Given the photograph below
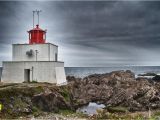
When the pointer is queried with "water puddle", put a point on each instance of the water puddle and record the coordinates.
(91, 108)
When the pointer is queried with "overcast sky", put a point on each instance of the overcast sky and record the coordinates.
(88, 33)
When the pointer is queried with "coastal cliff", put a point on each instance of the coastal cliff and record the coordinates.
(116, 89)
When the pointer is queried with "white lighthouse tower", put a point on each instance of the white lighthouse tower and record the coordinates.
(35, 61)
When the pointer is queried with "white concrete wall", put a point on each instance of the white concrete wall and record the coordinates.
(46, 52)
(52, 72)
(53, 51)
(60, 77)
(12, 73)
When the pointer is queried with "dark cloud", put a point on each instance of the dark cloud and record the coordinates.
(89, 33)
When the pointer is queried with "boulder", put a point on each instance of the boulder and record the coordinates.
(50, 102)
(156, 78)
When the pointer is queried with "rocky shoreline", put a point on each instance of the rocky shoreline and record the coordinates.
(120, 91)
(118, 88)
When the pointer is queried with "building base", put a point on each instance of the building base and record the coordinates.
(28, 71)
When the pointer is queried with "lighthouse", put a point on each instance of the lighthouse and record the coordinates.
(35, 61)
(37, 35)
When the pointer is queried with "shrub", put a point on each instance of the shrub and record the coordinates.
(33, 81)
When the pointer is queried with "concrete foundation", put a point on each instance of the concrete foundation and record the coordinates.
(28, 71)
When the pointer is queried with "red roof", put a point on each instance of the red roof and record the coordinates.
(37, 28)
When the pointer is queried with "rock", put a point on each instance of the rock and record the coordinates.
(156, 78)
(72, 79)
(11, 106)
(27, 110)
(118, 88)
(147, 74)
(122, 75)
(25, 99)
(12, 98)
(50, 102)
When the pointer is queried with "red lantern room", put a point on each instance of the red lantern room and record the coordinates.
(37, 35)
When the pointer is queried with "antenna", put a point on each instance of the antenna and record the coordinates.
(33, 18)
(36, 11)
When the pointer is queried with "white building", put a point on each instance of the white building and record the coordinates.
(36, 61)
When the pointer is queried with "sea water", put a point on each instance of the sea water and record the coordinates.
(85, 71)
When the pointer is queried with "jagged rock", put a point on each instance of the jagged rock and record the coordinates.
(122, 75)
(50, 102)
(156, 78)
(24, 99)
(118, 88)
(148, 74)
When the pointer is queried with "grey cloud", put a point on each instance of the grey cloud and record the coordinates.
(89, 33)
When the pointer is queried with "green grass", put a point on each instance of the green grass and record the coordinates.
(117, 109)
(66, 112)
(33, 81)
(36, 112)
(65, 93)
(71, 113)
(19, 95)
(155, 115)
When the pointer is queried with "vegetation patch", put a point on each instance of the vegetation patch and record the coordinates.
(65, 93)
(66, 112)
(71, 113)
(33, 81)
(117, 109)
(36, 112)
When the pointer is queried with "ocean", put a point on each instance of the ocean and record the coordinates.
(85, 71)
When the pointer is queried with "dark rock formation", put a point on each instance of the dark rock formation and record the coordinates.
(50, 102)
(24, 99)
(156, 78)
(118, 88)
(148, 74)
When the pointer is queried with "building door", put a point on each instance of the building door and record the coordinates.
(27, 75)
(56, 57)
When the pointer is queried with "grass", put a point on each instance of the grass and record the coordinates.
(155, 115)
(66, 112)
(117, 109)
(128, 116)
(33, 81)
(36, 112)
(119, 116)
(71, 113)
(17, 97)
(26, 91)
(65, 93)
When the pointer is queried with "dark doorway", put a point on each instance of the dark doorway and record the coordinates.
(56, 57)
(27, 75)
